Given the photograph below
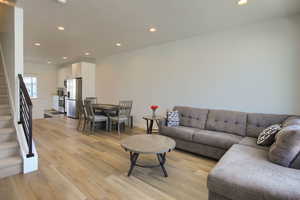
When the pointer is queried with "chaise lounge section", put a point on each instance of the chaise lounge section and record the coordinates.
(243, 171)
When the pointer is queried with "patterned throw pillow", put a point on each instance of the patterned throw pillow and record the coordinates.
(172, 118)
(267, 137)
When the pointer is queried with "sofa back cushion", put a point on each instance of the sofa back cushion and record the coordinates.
(292, 120)
(227, 121)
(192, 117)
(256, 123)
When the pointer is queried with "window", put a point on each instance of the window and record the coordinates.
(31, 85)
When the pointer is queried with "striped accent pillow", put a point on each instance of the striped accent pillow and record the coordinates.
(267, 137)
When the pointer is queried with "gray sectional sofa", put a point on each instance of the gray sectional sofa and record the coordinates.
(243, 171)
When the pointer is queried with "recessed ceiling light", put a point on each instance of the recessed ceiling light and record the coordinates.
(49, 62)
(87, 53)
(62, 1)
(118, 44)
(242, 2)
(152, 30)
(7, 2)
(61, 28)
(37, 44)
(64, 57)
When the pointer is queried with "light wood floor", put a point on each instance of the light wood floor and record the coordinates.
(75, 166)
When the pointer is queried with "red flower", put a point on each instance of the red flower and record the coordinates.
(154, 107)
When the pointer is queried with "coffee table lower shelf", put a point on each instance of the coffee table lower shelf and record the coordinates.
(161, 157)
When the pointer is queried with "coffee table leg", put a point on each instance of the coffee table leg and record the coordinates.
(133, 159)
(162, 160)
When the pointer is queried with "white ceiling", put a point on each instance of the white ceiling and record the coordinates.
(96, 25)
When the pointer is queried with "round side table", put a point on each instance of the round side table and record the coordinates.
(150, 120)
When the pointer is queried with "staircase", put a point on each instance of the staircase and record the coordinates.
(10, 159)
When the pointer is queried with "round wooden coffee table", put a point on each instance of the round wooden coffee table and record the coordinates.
(148, 144)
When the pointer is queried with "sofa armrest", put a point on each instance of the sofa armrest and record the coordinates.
(162, 123)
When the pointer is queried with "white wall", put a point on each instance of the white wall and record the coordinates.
(88, 79)
(46, 81)
(253, 68)
(11, 42)
(7, 40)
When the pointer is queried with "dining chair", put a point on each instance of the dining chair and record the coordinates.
(93, 118)
(93, 100)
(123, 115)
(82, 117)
(128, 105)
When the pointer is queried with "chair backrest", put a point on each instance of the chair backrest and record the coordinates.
(89, 108)
(125, 108)
(80, 108)
(84, 111)
(93, 100)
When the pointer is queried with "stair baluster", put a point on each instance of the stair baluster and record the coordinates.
(26, 114)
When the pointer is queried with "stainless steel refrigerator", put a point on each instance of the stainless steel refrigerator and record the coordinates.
(74, 90)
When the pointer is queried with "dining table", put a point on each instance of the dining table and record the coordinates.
(108, 109)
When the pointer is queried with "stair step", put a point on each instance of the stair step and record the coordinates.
(8, 149)
(3, 100)
(3, 92)
(5, 121)
(4, 106)
(5, 117)
(2, 79)
(7, 134)
(8, 145)
(7, 162)
(10, 166)
(6, 131)
(5, 111)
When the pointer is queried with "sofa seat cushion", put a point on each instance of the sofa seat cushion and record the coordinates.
(245, 173)
(251, 142)
(216, 139)
(227, 121)
(179, 132)
(192, 117)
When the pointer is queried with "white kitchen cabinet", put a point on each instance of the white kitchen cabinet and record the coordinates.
(76, 70)
(63, 74)
(55, 104)
(85, 70)
(88, 71)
